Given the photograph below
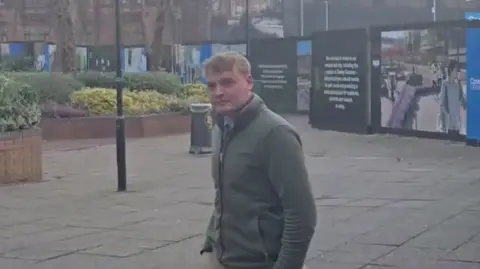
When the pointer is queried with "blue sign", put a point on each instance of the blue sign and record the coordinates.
(473, 79)
(304, 48)
(472, 16)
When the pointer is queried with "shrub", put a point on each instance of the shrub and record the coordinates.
(93, 79)
(16, 63)
(54, 87)
(19, 106)
(197, 93)
(101, 101)
(157, 81)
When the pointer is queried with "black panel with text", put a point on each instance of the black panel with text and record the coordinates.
(274, 69)
(339, 73)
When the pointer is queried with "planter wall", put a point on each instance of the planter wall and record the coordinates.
(104, 127)
(21, 157)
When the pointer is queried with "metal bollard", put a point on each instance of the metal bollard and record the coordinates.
(201, 129)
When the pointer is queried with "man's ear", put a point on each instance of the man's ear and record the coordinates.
(250, 81)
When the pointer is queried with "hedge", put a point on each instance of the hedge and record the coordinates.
(19, 105)
(55, 87)
(62, 95)
(156, 81)
(102, 101)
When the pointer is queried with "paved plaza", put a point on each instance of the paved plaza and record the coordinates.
(383, 202)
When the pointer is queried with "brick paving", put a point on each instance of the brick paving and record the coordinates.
(383, 202)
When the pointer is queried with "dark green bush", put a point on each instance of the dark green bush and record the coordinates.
(19, 105)
(93, 79)
(16, 64)
(157, 81)
(54, 87)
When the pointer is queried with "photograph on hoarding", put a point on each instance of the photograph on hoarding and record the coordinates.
(304, 70)
(423, 83)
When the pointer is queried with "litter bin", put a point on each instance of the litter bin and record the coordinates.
(201, 129)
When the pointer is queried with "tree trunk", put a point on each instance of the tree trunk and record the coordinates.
(82, 7)
(153, 20)
(64, 60)
(97, 13)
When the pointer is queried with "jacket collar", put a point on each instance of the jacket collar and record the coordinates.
(246, 116)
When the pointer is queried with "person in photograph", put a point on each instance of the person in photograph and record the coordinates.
(451, 100)
(437, 74)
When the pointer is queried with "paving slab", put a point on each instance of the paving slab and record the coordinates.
(411, 257)
(441, 237)
(356, 253)
(16, 264)
(469, 252)
(382, 202)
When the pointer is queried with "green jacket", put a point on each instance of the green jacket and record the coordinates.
(265, 213)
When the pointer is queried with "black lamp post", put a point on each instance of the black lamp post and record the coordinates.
(120, 121)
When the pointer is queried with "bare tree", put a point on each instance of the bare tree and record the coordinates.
(153, 19)
(16, 25)
(82, 15)
(97, 12)
(64, 15)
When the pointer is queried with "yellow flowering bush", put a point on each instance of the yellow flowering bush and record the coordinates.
(194, 93)
(101, 101)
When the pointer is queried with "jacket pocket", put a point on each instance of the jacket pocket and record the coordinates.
(270, 227)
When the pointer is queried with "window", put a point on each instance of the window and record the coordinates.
(131, 2)
(107, 3)
(408, 3)
(35, 34)
(129, 57)
(35, 3)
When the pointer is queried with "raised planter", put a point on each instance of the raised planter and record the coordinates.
(21, 156)
(104, 127)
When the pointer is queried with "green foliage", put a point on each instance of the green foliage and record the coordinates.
(197, 92)
(93, 79)
(19, 106)
(54, 87)
(157, 81)
(102, 101)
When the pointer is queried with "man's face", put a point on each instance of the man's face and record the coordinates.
(229, 90)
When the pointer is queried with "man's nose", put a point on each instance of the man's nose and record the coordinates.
(217, 91)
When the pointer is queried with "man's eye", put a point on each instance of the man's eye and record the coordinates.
(226, 82)
(211, 85)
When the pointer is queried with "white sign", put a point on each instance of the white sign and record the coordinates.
(475, 84)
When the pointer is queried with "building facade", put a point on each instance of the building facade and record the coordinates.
(94, 21)
(195, 21)
(344, 14)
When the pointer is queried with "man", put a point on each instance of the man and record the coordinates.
(264, 215)
(452, 101)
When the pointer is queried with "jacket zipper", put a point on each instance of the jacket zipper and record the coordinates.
(223, 147)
